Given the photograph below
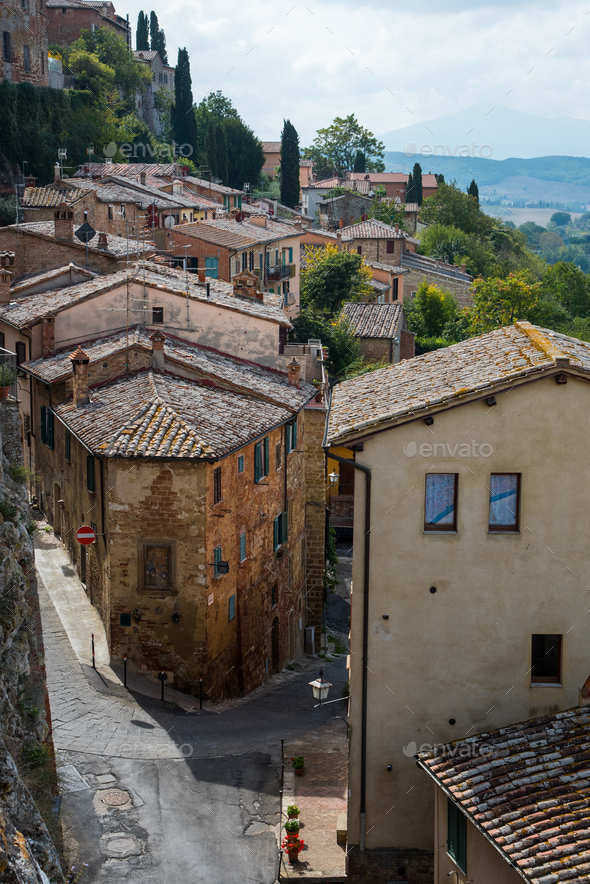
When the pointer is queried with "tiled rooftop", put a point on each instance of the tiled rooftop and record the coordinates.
(155, 414)
(374, 320)
(116, 245)
(391, 268)
(413, 261)
(49, 197)
(222, 369)
(46, 276)
(131, 170)
(234, 235)
(271, 146)
(211, 185)
(529, 793)
(373, 230)
(117, 188)
(449, 375)
(34, 307)
(390, 178)
(146, 54)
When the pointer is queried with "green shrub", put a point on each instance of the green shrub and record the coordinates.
(8, 511)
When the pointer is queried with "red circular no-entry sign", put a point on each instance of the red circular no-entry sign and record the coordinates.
(85, 535)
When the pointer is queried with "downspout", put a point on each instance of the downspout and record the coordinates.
(365, 654)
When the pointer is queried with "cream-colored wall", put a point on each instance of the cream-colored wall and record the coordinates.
(484, 864)
(202, 322)
(464, 652)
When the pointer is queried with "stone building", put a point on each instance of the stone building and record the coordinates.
(381, 331)
(146, 103)
(394, 183)
(66, 19)
(192, 466)
(469, 602)
(24, 42)
(343, 210)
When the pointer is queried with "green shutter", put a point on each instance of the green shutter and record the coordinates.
(266, 458)
(231, 608)
(43, 425)
(283, 528)
(257, 462)
(294, 434)
(290, 256)
(242, 547)
(456, 835)
(275, 534)
(217, 559)
(287, 438)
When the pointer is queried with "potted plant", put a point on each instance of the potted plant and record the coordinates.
(293, 812)
(298, 765)
(292, 828)
(293, 846)
(7, 378)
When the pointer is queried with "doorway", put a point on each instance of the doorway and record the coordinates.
(275, 654)
(56, 510)
(83, 564)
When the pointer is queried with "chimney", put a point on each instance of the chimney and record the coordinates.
(56, 175)
(157, 338)
(30, 181)
(80, 361)
(201, 272)
(294, 369)
(258, 220)
(102, 241)
(64, 222)
(463, 268)
(5, 281)
(48, 336)
(396, 228)
(339, 241)
(142, 177)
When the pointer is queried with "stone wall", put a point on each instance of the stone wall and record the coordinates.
(26, 847)
(407, 344)
(26, 23)
(389, 866)
(35, 254)
(315, 518)
(462, 290)
(377, 349)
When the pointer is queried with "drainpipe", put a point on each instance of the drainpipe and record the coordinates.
(365, 656)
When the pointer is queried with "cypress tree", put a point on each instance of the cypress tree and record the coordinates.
(410, 190)
(157, 37)
(222, 162)
(289, 165)
(183, 115)
(141, 35)
(473, 189)
(360, 164)
(418, 183)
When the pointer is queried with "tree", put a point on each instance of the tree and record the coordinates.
(335, 334)
(568, 286)
(417, 176)
(430, 311)
(142, 35)
(473, 189)
(360, 163)
(245, 156)
(211, 148)
(289, 165)
(222, 157)
(244, 152)
(331, 277)
(453, 208)
(335, 148)
(532, 231)
(440, 178)
(183, 117)
(90, 73)
(388, 211)
(561, 218)
(499, 302)
(157, 38)
(112, 50)
(410, 196)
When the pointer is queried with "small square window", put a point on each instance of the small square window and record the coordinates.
(546, 659)
(390, 246)
(504, 502)
(241, 463)
(231, 607)
(440, 508)
(157, 315)
(124, 619)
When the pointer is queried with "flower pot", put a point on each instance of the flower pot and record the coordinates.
(299, 771)
(4, 392)
(293, 856)
(293, 816)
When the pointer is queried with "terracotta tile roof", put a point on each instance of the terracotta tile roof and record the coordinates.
(234, 235)
(271, 146)
(390, 178)
(33, 308)
(156, 414)
(145, 54)
(326, 182)
(117, 188)
(131, 170)
(391, 268)
(224, 370)
(116, 245)
(424, 264)
(49, 197)
(36, 278)
(450, 375)
(210, 185)
(374, 320)
(528, 793)
(373, 230)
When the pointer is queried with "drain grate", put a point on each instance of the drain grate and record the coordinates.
(121, 846)
(116, 798)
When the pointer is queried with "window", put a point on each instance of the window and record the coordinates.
(280, 530)
(160, 77)
(276, 257)
(217, 485)
(390, 246)
(111, 212)
(286, 288)
(26, 58)
(290, 256)
(274, 595)
(231, 607)
(165, 79)
(68, 446)
(47, 426)
(2, 340)
(291, 437)
(21, 354)
(157, 315)
(122, 210)
(359, 250)
(217, 560)
(261, 460)
(546, 659)
(244, 260)
(278, 456)
(241, 463)
(90, 483)
(211, 265)
(157, 565)
(124, 619)
(394, 294)
(251, 260)
(6, 46)
(440, 509)
(504, 502)
(457, 835)
(242, 547)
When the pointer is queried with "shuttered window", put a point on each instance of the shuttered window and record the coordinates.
(90, 482)
(47, 426)
(68, 446)
(231, 607)
(261, 460)
(291, 433)
(457, 835)
(280, 530)
(242, 547)
(217, 485)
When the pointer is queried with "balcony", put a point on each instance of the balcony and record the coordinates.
(280, 271)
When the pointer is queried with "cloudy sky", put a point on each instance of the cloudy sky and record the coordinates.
(390, 63)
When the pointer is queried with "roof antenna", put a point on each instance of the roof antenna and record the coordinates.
(208, 287)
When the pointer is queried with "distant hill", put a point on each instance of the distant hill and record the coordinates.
(499, 132)
(564, 169)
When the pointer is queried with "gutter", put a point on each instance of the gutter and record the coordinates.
(365, 626)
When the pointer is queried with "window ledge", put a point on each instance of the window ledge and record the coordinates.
(514, 533)
(546, 684)
(452, 533)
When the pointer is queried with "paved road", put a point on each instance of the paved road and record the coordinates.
(200, 789)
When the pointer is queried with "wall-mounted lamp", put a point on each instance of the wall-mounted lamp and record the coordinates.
(176, 617)
(333, 477)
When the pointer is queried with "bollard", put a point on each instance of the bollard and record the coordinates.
(125, 670)
(200, 692)
(93, 659)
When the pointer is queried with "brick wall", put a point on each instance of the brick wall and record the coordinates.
(181, 244)
(315, 518)
(389, 866)
(377, 349)
(65, 25)
(27, 26)
(407, 344)
(34, 254)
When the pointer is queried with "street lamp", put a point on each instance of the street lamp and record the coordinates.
(320, 687)
(333, 477)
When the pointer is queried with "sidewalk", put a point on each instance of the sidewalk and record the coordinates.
(321, 796)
